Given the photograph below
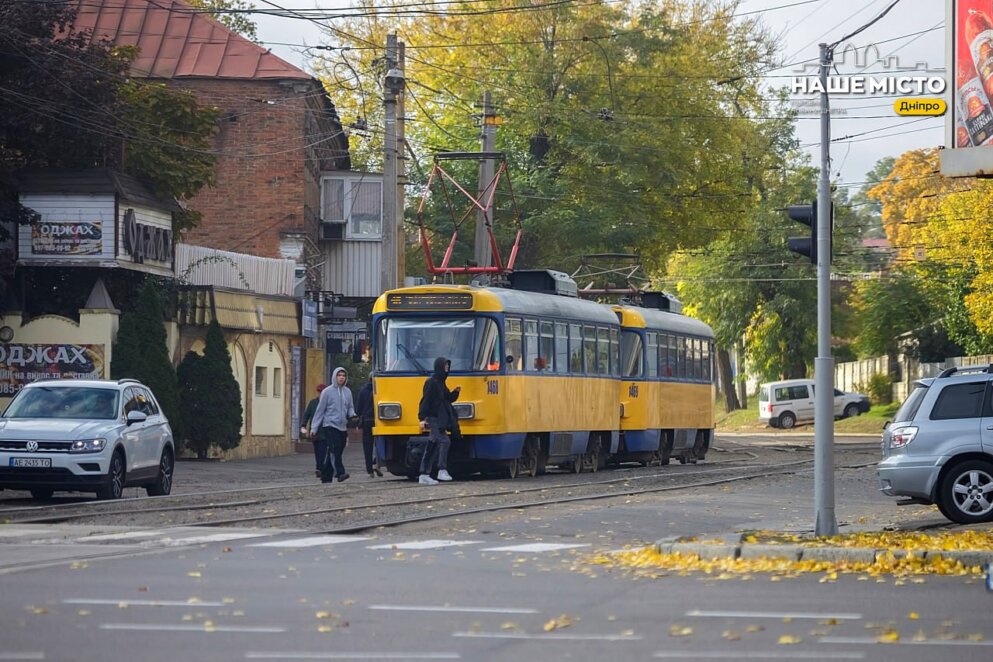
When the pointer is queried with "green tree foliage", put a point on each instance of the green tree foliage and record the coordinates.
(210, 397)
(748, 285)
(141, 352)
(887, 308)
(235, 14)
(69, 102)
(627, 126)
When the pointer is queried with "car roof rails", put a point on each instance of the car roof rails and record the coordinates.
(948, 372)
(128, 380)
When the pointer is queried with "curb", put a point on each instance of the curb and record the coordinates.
(709, 552)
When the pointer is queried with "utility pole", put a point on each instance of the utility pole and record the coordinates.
(401, 165)
(825, 522)
(391, 83)
(482, 253)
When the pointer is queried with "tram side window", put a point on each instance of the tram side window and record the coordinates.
(589, 349)
(652, 354)
(681, 357)
(547, 347)
(513, 344)
(561, 348)
(615, 352)
(575, 349)
(631, 354)
(531, 359)
(707, 371)
(693, 348)
(602, 351)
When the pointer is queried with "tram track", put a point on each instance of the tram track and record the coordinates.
(357, 517)
(55, 513)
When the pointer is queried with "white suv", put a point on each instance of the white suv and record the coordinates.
(86, 436)
(784, 404)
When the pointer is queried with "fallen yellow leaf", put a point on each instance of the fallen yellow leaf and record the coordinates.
(788, 640)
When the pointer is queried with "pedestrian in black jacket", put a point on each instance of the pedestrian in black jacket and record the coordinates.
(437, 415)
(366, 412)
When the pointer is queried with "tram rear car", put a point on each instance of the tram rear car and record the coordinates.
(666, 386)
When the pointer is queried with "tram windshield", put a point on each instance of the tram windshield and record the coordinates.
(411, 344)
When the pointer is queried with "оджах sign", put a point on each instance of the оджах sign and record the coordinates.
(67, 238)
(22, 364)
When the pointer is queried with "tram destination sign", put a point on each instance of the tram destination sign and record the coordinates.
(430, 301)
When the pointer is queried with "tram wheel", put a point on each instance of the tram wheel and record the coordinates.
(577, 464)
(511, 468)
(591, 459)
(530, 458)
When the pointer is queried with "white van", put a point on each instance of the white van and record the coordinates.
(784, 404)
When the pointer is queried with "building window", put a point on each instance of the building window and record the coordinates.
(260, 380)
(277, 382)
(356, 202)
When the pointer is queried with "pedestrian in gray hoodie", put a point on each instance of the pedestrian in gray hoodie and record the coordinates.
(334, 409)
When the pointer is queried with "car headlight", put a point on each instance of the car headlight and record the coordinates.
(389, 411)
(465, 410)
(88, 446)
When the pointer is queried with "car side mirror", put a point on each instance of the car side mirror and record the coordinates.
(136, 416)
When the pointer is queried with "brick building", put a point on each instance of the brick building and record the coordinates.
(279, 129)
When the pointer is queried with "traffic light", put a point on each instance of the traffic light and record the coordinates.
(806, 214)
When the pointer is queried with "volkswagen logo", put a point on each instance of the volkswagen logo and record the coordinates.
(32, 446)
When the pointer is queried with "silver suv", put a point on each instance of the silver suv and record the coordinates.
(86, 436)
(939, 447)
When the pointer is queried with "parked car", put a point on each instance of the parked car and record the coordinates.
(938, 449)
(786, 403)
(86, 436)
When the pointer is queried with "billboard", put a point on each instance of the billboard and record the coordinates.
(22, 364)
(969, 54)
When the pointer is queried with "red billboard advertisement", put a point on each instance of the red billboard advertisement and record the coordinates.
(972, 50)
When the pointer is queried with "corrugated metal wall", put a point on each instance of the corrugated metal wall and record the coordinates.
(353, 268)
(198, 265)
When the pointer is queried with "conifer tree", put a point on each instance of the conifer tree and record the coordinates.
(211, 398)
(141, 352)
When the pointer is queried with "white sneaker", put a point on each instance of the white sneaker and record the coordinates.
(425, 479)
(443, 475)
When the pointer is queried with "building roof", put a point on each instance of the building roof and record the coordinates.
(92, 182)
(176, 40)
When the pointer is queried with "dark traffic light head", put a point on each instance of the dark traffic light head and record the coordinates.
(806, 214)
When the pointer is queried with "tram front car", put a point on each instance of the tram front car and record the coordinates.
(411, 328)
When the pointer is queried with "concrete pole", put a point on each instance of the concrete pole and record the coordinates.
(390, 240)
(401, 155)
(482, 254)
(825, 522)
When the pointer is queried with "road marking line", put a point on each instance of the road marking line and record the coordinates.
(534, 547)
(121, 536)
(929, 642)
(427, 544)
(165, 627)
(216, 537)
(760, 655)
(446, 608)
(124, 602)
(550, 636)
(772, 614)
(7, 531)
(257, 655)
(313, 541)
(33, 655)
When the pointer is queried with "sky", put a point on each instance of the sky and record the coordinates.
(864, 129)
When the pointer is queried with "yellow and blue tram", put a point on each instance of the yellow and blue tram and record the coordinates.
(546, 379)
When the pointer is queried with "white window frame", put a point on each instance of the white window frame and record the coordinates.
(349, 182)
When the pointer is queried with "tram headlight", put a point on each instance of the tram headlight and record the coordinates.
(389, 411)
(465, 410)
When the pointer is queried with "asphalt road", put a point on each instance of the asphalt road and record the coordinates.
(514, 585)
